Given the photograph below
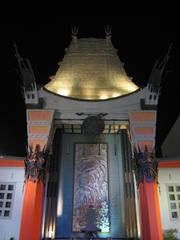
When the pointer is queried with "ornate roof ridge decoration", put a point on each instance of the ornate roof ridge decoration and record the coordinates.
(36, 163)
(29, 86)
(154, 85)
(146, 166)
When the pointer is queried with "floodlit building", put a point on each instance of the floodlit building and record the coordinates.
(91, 135)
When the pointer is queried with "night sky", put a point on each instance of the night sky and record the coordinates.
(140, 41)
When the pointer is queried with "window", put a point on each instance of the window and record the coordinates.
(174, 201)
(7, 191)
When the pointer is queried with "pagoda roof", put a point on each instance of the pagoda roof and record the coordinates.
(91, 70)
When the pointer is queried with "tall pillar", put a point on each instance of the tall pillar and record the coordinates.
(143, 126)
(39, 129)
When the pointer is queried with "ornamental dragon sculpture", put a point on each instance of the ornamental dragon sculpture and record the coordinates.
(35, 163)
(146, 166)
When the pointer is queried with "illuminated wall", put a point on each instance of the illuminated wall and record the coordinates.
(66, 149)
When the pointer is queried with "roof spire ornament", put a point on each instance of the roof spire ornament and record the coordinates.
(75, 32)
(107, 29)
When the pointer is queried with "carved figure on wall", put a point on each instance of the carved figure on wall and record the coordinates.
(91, 229)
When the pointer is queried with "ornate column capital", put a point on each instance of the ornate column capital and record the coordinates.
(36, 163)
(146, 166)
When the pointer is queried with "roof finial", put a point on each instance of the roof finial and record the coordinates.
(158, 72)
(162, 64)
(75, 32)
(107, 29)
(26, 74)
(156, 77)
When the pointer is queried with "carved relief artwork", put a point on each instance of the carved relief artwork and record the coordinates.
(90, 185)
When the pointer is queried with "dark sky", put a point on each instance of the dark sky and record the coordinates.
(139, 40)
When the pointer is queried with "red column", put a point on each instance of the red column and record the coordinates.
(143, 213)
(39, 128)
(151, 226)
(32, 211)
(143, 128)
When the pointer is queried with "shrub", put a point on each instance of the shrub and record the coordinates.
(170, 234)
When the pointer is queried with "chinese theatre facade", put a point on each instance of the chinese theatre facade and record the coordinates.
(91, 136)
